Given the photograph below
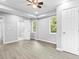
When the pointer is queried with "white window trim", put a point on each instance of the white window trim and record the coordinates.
(50, 27)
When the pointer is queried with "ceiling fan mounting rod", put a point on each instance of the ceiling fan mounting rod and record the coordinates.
(35, 2)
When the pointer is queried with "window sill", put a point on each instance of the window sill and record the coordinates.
(52, 33)
(33, 32)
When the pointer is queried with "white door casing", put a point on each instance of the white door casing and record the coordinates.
(1, 32)
(2, 29)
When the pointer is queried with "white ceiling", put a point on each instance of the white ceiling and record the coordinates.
(21, 5)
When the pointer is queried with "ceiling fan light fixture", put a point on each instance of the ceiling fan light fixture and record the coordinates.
(34, 6)
(35, 3)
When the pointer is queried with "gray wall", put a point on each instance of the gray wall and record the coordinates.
(43, 31)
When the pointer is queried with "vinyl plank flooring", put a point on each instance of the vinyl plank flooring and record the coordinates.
(32, 49)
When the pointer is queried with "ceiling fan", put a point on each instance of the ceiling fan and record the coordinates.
(35, 3)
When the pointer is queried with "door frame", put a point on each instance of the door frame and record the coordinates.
(2, 18)
(76, 53)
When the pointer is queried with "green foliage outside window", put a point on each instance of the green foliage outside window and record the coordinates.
(53, 24)
(34, 25)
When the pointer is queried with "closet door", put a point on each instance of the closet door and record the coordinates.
(70, 30)
(23, 30)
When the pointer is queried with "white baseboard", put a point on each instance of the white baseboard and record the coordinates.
(72, 52)
(23, 39)
(59, 49)
(19, 39)
(47, 41)
(10, 42)
(34, 38)
(76, 53)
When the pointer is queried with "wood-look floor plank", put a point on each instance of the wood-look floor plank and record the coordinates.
(33, 50)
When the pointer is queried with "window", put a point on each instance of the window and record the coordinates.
(34, 26)
(53, 23)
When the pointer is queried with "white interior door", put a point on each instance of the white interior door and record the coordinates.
(24, 29)
(70, 30)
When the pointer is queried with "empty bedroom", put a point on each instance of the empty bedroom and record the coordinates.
(39, 29)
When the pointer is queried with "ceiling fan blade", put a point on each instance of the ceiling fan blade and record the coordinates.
(39, 6)
(40, 3)
(29, 1)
